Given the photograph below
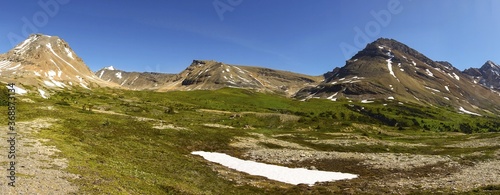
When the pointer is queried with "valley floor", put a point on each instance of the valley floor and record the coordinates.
(141, 143)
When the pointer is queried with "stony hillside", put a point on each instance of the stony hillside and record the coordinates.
(210, 75)
(48, 63)
(391, 71)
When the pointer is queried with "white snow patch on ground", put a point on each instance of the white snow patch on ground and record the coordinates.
(390, 98)
(42, 93)
(110, 68)
(79, 78)
(429, 72)
(18, 90)
(447, 88)
(456, 76)
(134, 80)
(84, 86)
(37, 74)
(293, 176)
(447, 98)
(332, 97)
(366, 101)
(48, 83)
(119, 75)
(57, 83)
(414, 63)
(102, 73)
(14, 68)
(70, 54)
(432, 89)
(389, 66)
(55, 64)
(51, 73)
(468, 112)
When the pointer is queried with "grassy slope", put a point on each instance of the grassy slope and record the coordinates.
(117, 154)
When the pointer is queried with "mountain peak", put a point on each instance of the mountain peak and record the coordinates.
(47, 62)
(490, 64)
(109, 68)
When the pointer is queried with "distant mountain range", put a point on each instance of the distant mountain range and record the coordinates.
(386, 70)
(209, 75)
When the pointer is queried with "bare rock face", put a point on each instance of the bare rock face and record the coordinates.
(389, 70)
(48, 63)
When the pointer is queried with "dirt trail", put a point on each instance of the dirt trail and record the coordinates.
(37, 171)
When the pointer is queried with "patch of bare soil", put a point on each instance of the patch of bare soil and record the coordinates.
(37, 170)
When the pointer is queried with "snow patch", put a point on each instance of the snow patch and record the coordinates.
(390, 98)
(84, 86)
(432, 89)
(110, 68)
(429, 72)
(366, 101)
(42, 93)
(37, 74)
(447, 98)
(70, 54)
(447, 88)
(14, 68)
(102, 73)
(49, 84)
(468, 112)
(119, 75)
(389, 66)
(456, 77)
(292, 176)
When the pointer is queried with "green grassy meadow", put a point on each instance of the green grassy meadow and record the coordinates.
(115, 152)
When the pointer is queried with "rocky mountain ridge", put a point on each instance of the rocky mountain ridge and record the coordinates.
(488, 75)
(210, 75)
(388, 70)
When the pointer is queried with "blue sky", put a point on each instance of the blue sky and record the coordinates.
(310, 37)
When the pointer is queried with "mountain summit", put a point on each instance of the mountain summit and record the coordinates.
(488, 75)
(391, 71)
(46, 62)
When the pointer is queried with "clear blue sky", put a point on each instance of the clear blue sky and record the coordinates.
(295, 35)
